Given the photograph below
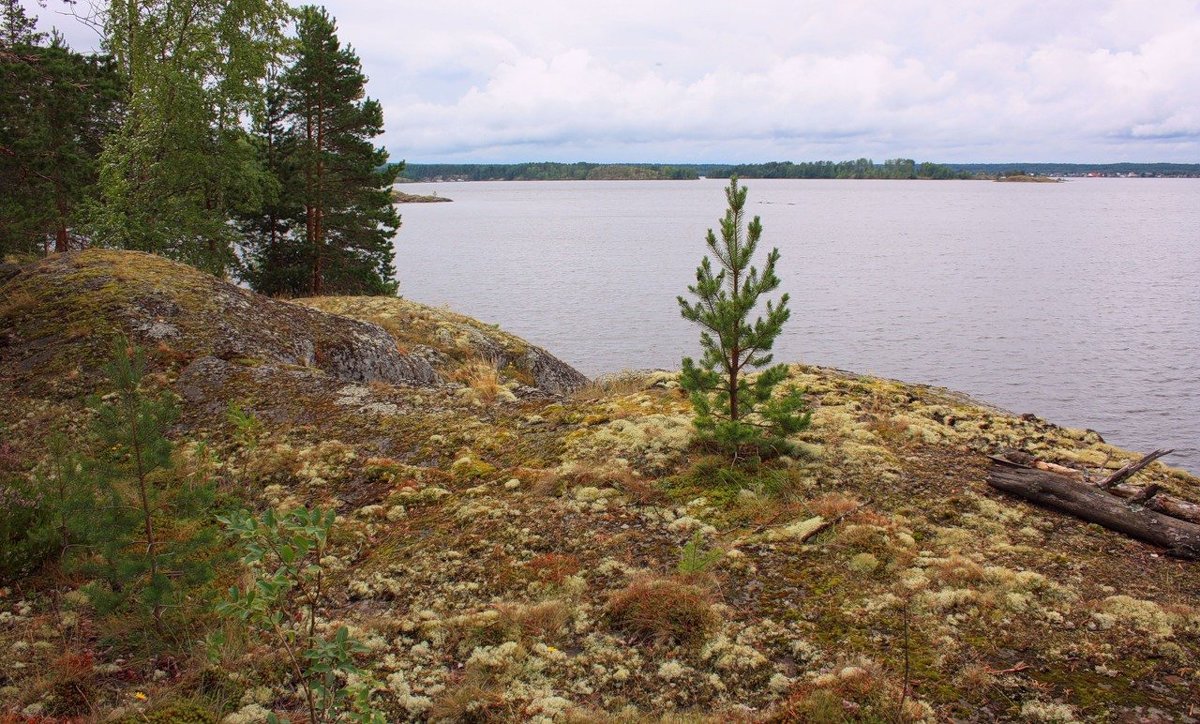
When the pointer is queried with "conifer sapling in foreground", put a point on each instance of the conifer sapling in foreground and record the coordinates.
(734, 413)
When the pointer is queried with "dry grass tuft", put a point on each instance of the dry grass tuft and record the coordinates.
(482, 377)
(554, 567)
(880, 420)
(959, 569)
(16, 301)
(661, 611)
(471, 698)
(548, 483)
(543, 621)
(616, 386)
(629, 483)
(855, 693)
(831, 505)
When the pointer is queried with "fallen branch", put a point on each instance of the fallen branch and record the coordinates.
(1058, 492)
(1021, 666)
(1131, 469)
(1060, 469)
(1146, 494)
(830, 523)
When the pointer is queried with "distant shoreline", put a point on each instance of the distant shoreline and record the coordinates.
(859, 169)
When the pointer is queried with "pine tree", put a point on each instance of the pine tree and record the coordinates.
(274, 257)
(733, 412)
(151, 542)
(349, 219)
(56, 106)
(17, 28)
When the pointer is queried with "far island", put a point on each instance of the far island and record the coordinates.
(1028, 178)
(399, 197)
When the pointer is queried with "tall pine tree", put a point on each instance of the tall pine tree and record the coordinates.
(274, 261)
(349, 220)
(56, 106)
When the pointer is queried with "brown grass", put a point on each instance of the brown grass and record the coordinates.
(959, 569)
(482, 377)
(662, 610)
(830, 505)
(470, 699)
(867, 695)
(554, 567)
(15, 301)
(636, 488)
(540, 621)
(610, 387)
(880, 420)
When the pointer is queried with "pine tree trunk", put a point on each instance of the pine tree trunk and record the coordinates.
(736, 352)
(318, 270)
(61, 240)
(309, 204)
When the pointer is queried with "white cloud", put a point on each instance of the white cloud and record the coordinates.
(679, 80)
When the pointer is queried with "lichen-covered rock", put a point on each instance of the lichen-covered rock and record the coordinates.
(451, 341)
(61, 311)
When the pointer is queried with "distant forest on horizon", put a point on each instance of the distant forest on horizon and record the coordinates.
(862, 168)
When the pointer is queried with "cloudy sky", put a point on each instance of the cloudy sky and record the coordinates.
(698, 80)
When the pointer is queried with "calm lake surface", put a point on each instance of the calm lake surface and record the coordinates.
(1079, 302)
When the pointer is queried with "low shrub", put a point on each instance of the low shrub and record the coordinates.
(27, 537)
(662, 611)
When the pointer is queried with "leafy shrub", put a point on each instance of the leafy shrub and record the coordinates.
(286, 555)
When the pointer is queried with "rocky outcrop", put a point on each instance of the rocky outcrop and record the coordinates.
(61, 310)
(60, 313)
(450, 342)
(550, 373)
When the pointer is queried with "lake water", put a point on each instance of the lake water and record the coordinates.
(1079, 302)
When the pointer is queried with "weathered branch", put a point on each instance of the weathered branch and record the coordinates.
(1145, 494)
(1131, 468)
(1150, 496)
(1153, 498)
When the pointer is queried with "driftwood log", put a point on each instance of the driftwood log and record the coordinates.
(1058, 492)
(1149, 496)
(1152, 497)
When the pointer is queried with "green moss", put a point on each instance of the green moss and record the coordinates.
(468, 468)
(179, 713)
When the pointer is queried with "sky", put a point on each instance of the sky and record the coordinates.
(1085, 81)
